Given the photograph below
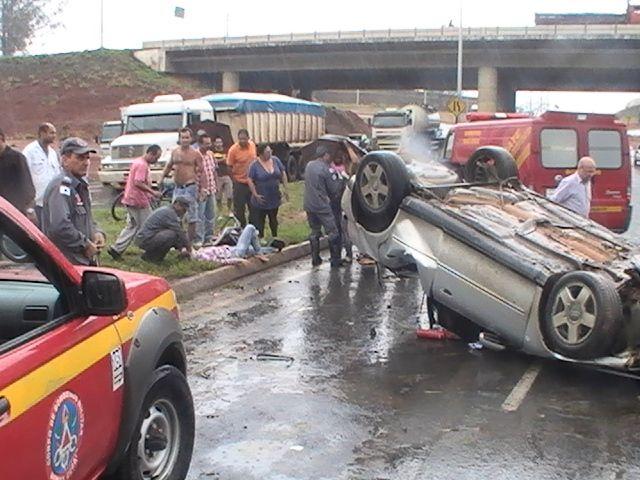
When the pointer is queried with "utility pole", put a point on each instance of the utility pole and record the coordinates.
(459, 89)
(101, 23)
(226, 26)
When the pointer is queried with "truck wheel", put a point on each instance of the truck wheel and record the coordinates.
(490, 164)
(292, 168)
(582, 316)
(382, 182)
(162, 441)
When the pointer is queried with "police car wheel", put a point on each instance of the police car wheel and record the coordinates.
(582, 316)
(382, 181)
(162, 443)
(490, 164)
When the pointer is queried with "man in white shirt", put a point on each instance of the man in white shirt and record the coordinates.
(43, 162)
(574, 191)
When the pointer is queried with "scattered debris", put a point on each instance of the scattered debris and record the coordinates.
(264, 357)
(296, 448)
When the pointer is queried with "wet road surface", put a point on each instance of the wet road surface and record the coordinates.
(318, 374)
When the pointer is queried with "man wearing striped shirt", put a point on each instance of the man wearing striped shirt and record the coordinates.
(206, 193)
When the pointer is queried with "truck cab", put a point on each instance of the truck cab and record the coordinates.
(110, 131)
(146, 124)
(412, 129)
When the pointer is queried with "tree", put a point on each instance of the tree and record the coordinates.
(21, 19)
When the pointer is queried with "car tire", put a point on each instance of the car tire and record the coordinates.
(382, 181)
(582, 316)
(167, 407)
(490, 164)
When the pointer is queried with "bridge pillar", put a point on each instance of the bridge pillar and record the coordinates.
(495, 93)
(487, 89)
(230, 82)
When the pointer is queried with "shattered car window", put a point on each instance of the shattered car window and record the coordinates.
(559, 147)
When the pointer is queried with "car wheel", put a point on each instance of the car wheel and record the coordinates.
(490, 164)
(162, 443)
(582, 316)
(382, 182)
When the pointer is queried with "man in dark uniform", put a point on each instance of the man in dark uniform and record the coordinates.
(67, 217)
(16, 184)
(322, 186)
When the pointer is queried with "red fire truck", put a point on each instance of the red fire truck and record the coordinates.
(548, 147)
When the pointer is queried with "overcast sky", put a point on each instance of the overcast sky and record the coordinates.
(128, 23)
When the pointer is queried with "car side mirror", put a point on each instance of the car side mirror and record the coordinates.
(103, 293)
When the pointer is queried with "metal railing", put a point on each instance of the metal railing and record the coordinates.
(558, 32)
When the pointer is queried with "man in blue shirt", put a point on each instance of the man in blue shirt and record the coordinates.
(574, 191)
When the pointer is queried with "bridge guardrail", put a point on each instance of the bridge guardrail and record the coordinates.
(443, 34)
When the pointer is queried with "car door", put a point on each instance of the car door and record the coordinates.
(60, 378)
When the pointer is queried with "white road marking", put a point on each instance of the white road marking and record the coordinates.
(519, 392)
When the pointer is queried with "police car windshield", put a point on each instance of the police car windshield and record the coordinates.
(154, 123)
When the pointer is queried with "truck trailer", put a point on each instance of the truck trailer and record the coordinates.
(286, 123)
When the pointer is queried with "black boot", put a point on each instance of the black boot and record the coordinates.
(335, 248)
(315, 251)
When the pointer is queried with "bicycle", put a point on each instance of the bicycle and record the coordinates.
(119, 211)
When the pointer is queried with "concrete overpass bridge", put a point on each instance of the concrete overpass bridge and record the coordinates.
(497, 61)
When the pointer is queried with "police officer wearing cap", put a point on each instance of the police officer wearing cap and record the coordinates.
(322, 186)
(67, 217)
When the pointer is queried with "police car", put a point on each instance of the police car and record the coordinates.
(92, 367)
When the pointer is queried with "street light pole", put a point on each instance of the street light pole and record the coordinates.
(101, 23)
(459, 88)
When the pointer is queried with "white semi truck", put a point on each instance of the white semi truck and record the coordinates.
(409, 128)
(284, 122)
(145, 124)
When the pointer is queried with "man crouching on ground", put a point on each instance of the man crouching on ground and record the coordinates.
(162, 231)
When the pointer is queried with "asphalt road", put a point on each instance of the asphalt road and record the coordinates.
(362, 398)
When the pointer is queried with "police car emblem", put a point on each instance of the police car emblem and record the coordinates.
(66, 425)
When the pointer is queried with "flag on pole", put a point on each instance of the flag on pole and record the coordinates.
(179, 12)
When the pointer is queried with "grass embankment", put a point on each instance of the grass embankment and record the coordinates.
(292, 229)
(78, 91)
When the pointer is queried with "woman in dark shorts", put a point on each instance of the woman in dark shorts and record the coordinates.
(266, 174)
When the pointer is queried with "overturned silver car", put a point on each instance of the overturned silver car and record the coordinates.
(499, 260)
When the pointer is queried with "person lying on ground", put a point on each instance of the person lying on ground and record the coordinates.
(248, 246)
(162, 231)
